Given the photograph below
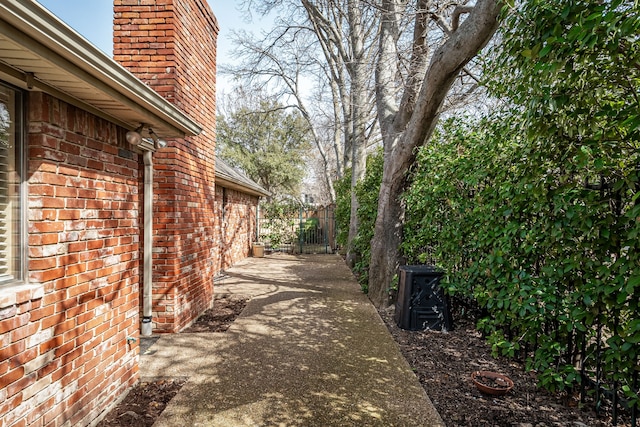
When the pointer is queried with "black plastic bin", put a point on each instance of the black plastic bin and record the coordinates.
(422, 304)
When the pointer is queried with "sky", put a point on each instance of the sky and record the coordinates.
(94, 20)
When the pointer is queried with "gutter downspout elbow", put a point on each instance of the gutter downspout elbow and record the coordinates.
(147, 327)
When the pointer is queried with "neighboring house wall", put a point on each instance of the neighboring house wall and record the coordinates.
(237, 213)
(171, 46)
(64, 355)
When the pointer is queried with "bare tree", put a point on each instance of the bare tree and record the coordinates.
(284, 62)
(346, 31)
(408, 123)
(344, 36)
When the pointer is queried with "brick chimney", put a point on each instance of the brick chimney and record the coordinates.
(171, 45)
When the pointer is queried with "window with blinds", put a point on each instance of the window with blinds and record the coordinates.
(10, 217)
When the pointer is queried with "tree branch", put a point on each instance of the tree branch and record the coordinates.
(417, 66)
(445, 65)
(455, 17)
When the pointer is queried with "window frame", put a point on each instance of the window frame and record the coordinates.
(21, 252)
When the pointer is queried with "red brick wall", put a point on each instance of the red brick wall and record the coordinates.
(64, 356)
(171, 46)
(237, 213)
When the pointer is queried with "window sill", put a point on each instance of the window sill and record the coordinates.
(18, 294)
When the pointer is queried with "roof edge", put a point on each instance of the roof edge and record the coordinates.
(233, 185)
(229, 177)
(38, 23)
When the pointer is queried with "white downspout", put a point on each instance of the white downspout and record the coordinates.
(147, 327)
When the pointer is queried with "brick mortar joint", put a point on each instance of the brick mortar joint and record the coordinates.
(20, 293)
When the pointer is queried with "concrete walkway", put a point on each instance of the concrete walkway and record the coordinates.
(308, 350)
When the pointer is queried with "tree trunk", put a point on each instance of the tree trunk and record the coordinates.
(350, 257)
(403, 134)
(385, 245)
(357, 71)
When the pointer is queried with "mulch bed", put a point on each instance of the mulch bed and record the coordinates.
(218, 319)
(444, 362)
(143, 404)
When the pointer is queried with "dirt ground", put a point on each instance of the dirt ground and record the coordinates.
(143, 404)
(443, 362)
(218, 319)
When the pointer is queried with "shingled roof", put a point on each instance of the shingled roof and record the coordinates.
(228, 177)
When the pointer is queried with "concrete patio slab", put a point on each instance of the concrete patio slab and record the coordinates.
(308, 350)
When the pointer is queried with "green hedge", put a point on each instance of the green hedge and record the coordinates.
(367, 193)
(551, 255)
(535, 211)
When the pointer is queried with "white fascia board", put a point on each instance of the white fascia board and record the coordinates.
(39, 24)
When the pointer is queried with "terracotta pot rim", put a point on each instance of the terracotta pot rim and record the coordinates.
(488, 389)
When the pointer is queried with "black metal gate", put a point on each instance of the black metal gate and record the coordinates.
(309, 231)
